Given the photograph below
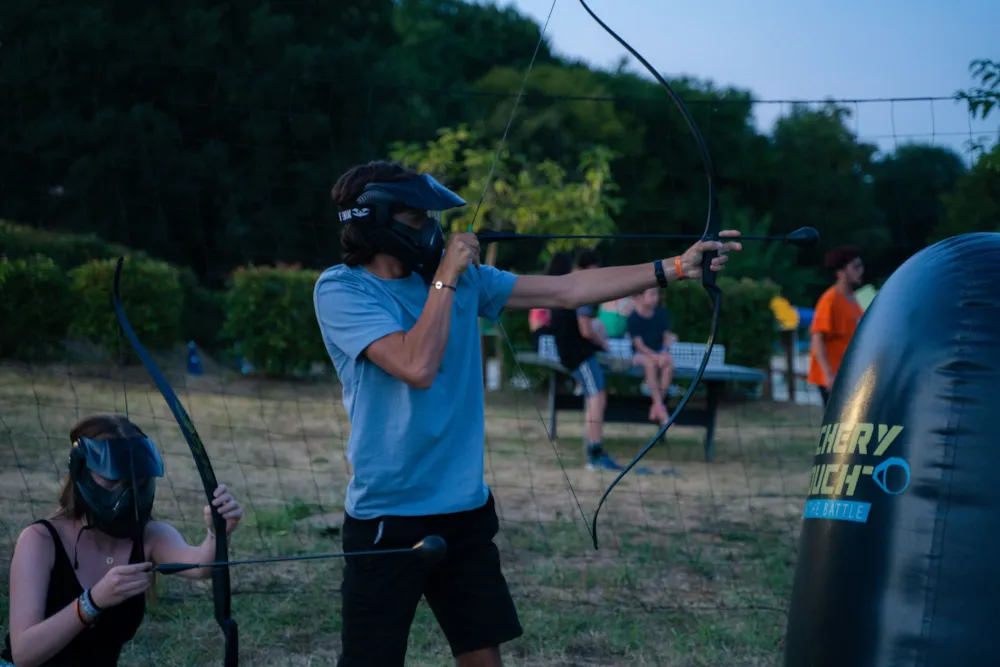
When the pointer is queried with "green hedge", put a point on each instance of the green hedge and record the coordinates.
(746, 323)
(35, 308)
(269, 315)
(204, 312)
(151, 295)
(60, 284)
(65, 249)
(202, 316)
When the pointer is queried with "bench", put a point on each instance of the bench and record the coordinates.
(635, 409)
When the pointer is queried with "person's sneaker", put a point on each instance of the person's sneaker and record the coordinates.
(603, 461)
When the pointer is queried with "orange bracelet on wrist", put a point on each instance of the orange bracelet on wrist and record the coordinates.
(79, 614)
(677, 267)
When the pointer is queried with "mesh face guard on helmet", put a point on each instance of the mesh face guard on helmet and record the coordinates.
(418, 249)
(133, 461)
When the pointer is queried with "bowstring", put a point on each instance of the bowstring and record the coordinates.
(716, 307)
(711, 231)
(513, 112)
(503, 330)
(706, 159)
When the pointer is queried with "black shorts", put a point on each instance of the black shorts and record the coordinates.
(466, 591)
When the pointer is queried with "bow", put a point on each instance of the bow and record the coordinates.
(801, 237)
(220, 575)
(711, 233)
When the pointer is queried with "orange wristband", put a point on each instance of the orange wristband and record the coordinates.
(79, 613)
(677, 267)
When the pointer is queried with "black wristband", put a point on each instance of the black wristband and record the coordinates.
(661, 277)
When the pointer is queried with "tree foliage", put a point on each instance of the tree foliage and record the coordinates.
(974, 204)
(984, 98)
(208, 134)
(526, 197)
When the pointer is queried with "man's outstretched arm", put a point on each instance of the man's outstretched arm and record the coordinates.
(612, 282)
(582, 287)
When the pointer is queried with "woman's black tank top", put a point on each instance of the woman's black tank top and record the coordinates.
(100, 644)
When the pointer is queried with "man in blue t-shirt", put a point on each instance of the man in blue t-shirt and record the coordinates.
(649, 328)
(399, 319)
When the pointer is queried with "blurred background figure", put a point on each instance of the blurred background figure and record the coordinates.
(836, 318)
(649, 328)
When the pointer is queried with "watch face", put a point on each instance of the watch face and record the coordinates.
(439, 284)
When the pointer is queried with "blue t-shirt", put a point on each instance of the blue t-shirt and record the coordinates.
(414, 452)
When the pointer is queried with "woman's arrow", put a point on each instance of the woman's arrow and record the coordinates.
(432, 549)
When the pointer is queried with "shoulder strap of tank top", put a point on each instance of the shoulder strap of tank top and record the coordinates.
(59, 546)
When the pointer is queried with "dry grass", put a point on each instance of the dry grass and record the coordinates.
(694, 567)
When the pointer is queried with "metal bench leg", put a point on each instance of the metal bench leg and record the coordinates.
(711, 409)
(553, 381)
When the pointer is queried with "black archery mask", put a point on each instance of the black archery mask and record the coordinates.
(419, 249)
(135, 463)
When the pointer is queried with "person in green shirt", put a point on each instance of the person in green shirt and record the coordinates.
(614, 315)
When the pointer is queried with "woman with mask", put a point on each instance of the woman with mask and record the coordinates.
(78, 578)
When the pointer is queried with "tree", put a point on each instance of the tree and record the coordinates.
(908, 188)
(453, 41)
(203, 132)
(974, 206)
(984, 98)
(823, 177)
(563, 110)
(663, 178)
(524, 197)
(775, 262)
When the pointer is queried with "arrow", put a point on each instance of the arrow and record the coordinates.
(803, 237)
(432, 548)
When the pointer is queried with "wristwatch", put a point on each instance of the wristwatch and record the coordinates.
(441, 285)
(661, 277)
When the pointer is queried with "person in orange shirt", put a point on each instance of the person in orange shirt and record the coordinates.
(835, 319)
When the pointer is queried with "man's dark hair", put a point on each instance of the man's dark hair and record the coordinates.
(354, 248)
(840, 257)
(560, 264)
(587, 258)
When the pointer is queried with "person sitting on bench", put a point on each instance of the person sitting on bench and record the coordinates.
(649, 328)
